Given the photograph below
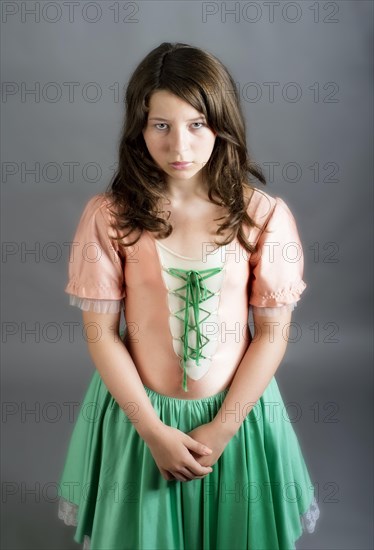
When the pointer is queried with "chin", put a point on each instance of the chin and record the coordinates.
(182, 174)
(184, 177)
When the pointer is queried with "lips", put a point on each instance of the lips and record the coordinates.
(181, 165)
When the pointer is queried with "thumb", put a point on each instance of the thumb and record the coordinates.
(199, 448)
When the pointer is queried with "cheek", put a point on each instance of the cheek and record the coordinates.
(209, 144)
(150, 142)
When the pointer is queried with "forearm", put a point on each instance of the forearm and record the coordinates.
(253, 375)
(122, 379)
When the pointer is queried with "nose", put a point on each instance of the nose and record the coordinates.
(178, 140)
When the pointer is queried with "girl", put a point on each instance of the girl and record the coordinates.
(182, 440)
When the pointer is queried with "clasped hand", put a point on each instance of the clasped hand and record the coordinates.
(186, 456)
(209, 435)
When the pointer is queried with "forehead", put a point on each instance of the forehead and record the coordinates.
(165, 103)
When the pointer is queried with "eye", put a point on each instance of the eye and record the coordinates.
(201, 125)
(160, 124)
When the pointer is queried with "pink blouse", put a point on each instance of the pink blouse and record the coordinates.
(185, 308)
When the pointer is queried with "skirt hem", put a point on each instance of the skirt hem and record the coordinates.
(68, 513)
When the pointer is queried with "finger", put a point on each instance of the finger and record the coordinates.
(167, 475)
(199, 448)
(187, 473)
(197, 469)
(191, 476)
(180, 476)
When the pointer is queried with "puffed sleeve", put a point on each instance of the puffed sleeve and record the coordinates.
(276, 281)
(96, 266)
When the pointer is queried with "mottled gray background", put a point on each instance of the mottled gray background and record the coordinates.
(320, 147)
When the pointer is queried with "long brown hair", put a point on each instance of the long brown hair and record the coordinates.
(138, 186)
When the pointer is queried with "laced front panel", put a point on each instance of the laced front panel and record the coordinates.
(194, 290)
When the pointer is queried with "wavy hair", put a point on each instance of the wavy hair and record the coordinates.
(139, 184)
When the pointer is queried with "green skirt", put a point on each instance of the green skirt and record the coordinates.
(258, 497)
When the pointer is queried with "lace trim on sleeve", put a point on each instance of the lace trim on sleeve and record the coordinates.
(98, 306)
(273, 311)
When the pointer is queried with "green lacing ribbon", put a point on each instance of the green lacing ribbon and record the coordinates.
(196, 293)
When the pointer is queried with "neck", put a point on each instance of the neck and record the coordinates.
(185, 190)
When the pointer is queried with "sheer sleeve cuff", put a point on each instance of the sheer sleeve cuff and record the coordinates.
(273, 311)
(95, 305)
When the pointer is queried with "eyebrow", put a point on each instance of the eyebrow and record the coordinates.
(201, 117)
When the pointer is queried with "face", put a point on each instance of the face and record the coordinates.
(176, 133)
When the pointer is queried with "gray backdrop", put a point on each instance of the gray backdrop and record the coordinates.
(304, 74)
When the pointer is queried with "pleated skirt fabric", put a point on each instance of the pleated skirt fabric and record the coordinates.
(258, 497)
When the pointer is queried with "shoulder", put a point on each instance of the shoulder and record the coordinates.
(100, 207)
(270, 213)
(97, 215)
(260, 205)
(97, 202)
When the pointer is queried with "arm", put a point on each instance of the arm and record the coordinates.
(258, 366)
(119, 372)
(253, 374)
(170, 447)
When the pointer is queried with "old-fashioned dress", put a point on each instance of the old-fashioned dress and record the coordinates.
(259, 495)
